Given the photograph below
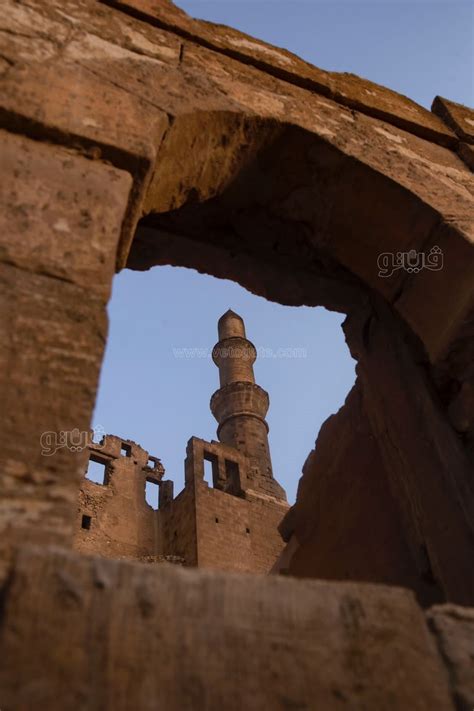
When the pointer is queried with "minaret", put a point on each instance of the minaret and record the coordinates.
(240, 405)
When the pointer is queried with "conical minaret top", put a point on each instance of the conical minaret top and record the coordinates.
(240, 405)
(230, 324)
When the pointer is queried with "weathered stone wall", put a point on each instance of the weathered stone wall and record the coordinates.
(178, 527)
(122, 524)
(116, 635)
(237, 534)
(236, 524)
(60, 221)
(402, 413)
(205, 527)
(346, 523)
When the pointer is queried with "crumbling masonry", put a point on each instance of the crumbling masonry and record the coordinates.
(134, 136)
(232, 525)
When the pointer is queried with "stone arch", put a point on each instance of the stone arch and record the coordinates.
(97, 101)
(257, 184)
(296, 217)
(109, 113)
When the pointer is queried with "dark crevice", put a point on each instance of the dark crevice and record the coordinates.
(6, 585)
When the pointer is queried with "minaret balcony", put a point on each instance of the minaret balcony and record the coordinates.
(239, 398)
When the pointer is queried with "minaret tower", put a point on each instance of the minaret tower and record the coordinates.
(240, 405)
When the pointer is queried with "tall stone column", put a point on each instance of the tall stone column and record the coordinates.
(240, 405)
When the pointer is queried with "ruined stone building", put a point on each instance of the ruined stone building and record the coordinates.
(232, 525)
(133, 135)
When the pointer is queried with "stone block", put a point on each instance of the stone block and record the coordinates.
(76, 94)
(67, 84)
(81, 633)
(348, 89)
(61, 214)
(458, 117)
(453, 629)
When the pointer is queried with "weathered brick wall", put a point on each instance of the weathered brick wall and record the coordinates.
(203, 526)
(235, 533)
(121, 524)
(178, 527)
(198, 449)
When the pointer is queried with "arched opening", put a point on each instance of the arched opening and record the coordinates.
(156, 383)
(350, 522)
(290, 182)
(302, 219)
(158, 375)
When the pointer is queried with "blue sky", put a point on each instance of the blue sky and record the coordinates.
(149, 393)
